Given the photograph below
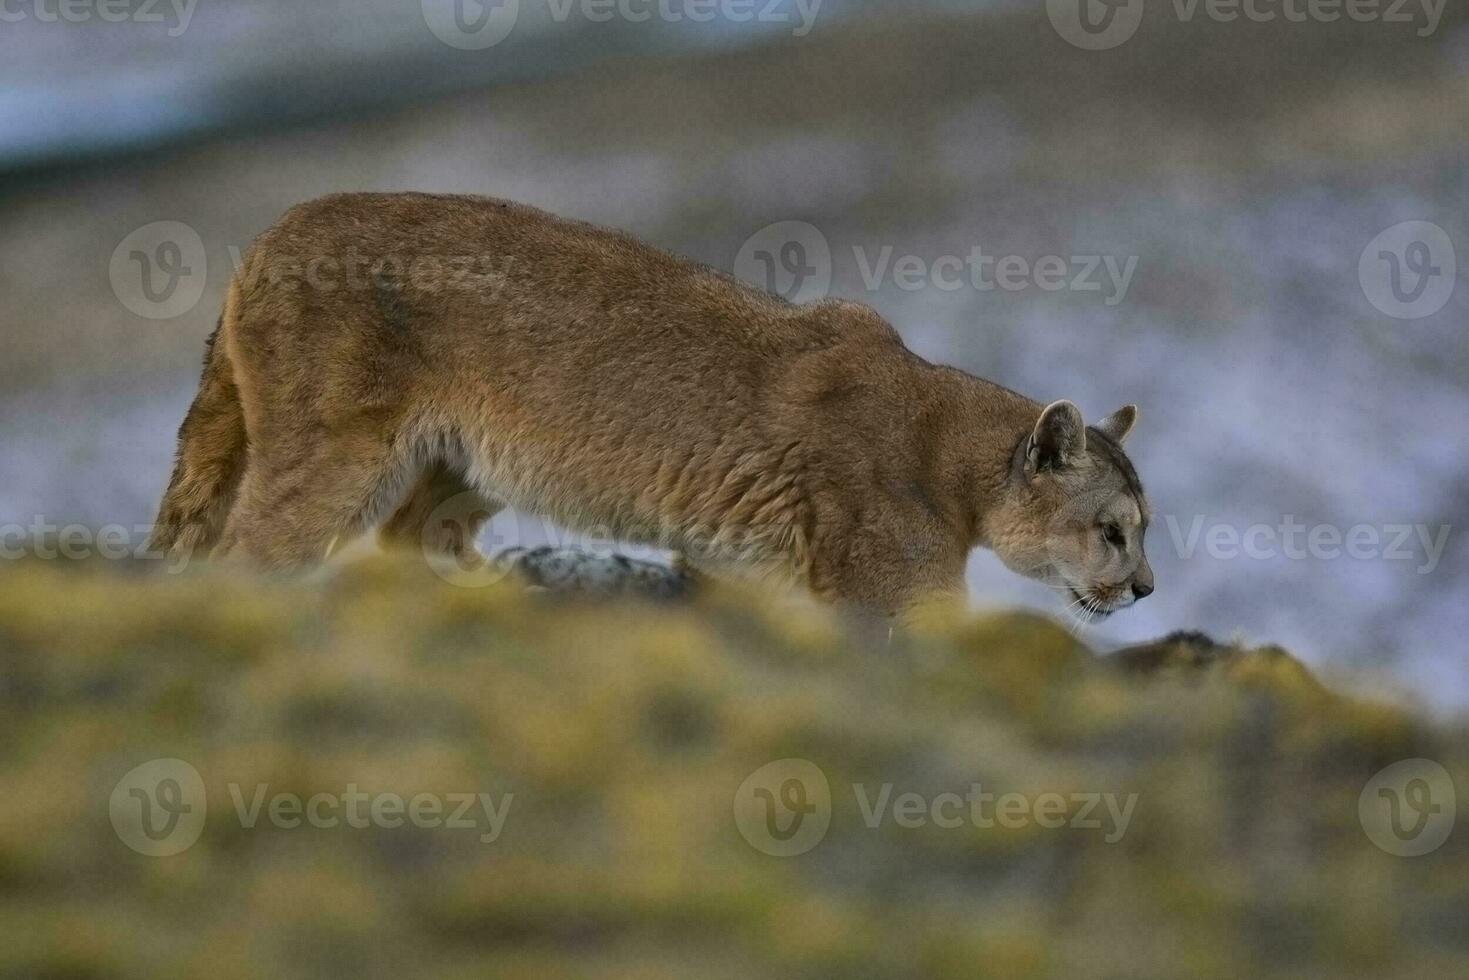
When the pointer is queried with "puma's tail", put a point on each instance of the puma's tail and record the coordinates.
(210, 459)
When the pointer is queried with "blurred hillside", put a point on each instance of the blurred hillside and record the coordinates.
(1245, 167)
(616, 741)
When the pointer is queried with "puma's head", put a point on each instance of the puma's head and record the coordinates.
(1073, 513)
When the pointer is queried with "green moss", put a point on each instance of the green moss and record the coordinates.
(623, 733)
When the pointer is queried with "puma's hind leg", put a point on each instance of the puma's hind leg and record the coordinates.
(295, 508)
(442, 515)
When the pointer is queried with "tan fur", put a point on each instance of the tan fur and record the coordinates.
(382, 351)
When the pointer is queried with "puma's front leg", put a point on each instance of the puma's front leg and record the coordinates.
(889, 578)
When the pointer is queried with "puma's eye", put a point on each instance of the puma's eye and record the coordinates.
(1113, 535)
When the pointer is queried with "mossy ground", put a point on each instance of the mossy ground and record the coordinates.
(624, 732)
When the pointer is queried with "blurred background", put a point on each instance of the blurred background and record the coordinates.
(1201, 214)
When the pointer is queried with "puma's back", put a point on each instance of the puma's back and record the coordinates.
(573, 370)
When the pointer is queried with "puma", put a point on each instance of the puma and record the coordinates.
(381, 357)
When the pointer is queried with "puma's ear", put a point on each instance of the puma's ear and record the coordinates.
(1059, 437)
(1117, 425)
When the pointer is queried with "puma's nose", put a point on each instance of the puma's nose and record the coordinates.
(1141, 590)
